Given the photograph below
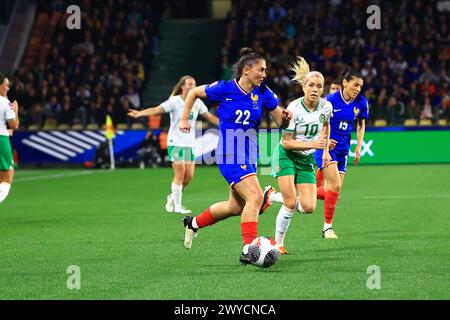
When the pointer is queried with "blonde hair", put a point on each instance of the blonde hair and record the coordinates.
(301, 69)
(302, 72)
(177, 89)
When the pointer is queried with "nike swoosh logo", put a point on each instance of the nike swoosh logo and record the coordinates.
(337, 110)
(228, 99)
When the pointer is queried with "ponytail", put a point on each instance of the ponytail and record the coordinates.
(302, 73)
(247, 58)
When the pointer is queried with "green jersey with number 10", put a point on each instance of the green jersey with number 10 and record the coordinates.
(307, 125)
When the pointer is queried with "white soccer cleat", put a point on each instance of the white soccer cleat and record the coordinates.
(329, 234)
(189, 235)
(182, 210)
(170, 204)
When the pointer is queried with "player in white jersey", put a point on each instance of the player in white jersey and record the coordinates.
(8, 115)
(293, 161)
(180, 145)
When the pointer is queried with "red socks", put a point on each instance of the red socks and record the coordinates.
(319, 178)
(249, 231)
(330, 205)
(320, 193)
(205, 219)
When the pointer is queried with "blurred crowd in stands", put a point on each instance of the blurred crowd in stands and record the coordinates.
(405, 63)
(103, 68)
(88, 73)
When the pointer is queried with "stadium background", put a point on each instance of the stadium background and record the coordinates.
(131, 53)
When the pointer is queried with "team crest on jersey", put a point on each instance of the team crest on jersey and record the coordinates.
(356, 111)
(254, 98)
(243, 166)
(322, 118)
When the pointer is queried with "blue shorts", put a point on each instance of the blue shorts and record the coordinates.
(234, 173)
(339, 158)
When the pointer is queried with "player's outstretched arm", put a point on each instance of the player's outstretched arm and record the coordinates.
(331, 142)
(14, 123)
(281, 117)
(289, 143)
(146, 112)
(211, 118)
(326, 158)
(198, 92)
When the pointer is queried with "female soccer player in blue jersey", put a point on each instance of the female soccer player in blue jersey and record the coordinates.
(334, 86)
(349, 106)
(241, 101)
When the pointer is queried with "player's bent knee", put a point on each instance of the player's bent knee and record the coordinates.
(257, 198)
(187, 180)
(308, 209)
(335, 187)
(234, 209)
(290, 203)
(237, 213)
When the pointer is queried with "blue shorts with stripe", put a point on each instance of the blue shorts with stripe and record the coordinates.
(234, 173)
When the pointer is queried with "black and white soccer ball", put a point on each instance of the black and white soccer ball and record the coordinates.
(263, 252)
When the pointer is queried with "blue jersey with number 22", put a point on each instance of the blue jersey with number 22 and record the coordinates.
(239, 116)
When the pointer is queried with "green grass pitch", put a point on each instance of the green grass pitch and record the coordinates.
(112, 224)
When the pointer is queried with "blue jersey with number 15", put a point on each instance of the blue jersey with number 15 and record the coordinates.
(343, 119)
(239, 116)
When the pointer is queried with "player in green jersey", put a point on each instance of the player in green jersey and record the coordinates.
(293, 161)
(8, 115)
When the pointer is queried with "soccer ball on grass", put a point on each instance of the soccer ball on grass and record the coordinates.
(264, 252)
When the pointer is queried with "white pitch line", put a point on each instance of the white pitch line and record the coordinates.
(56, 176)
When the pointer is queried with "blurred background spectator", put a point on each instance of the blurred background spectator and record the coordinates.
(405, 64)
(104, 68)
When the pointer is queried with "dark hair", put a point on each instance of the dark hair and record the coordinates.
(247, 58)
(348, 73)
(336, 82)
(2, 78)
